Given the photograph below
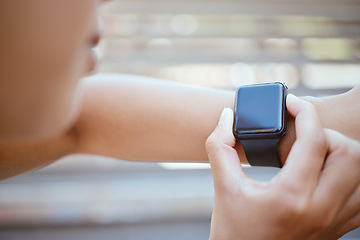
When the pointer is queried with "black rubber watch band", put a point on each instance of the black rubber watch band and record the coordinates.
(262, 152)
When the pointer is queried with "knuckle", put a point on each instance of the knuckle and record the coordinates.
(320, 217)
(319, 140)
(318, 143)
(293, 207)
(310, 106)
(321, 222)
(215, 144)
(343, 148)
(211, 143)
(300, 211)
(297, 208)
(350, 150)
(292, 190)
(295, 204)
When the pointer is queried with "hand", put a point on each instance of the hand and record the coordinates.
(316, 195)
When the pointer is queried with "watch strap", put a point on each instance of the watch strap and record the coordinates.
(262, 152)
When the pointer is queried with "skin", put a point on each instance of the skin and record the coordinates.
(50, 41)
(46, 112)
(162, 125)
(310, 203)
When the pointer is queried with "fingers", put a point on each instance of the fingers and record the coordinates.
(349, 217)
(341, 176)
(352, 224)
(306, 158)
(224, 160)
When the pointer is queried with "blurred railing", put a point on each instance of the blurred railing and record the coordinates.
(313, 46)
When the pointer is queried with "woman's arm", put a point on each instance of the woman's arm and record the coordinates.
(141, 119)
(137, 118)
(128, 117)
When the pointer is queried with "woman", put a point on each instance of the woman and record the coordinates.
(46, 112)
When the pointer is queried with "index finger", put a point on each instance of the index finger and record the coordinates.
(307, 155)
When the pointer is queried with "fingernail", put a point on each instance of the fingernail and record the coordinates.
(291, 98)
(226, 113)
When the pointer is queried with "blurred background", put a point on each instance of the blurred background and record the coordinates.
(312, 46)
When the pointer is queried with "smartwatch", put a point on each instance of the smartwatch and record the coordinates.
(260, 122)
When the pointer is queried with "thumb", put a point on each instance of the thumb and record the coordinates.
(224, 159)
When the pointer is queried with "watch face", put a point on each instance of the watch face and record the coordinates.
(259, 109)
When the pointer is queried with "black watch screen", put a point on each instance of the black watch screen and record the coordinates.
(260, 109)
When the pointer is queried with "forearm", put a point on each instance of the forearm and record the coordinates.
(129, 118)
(141, 119)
